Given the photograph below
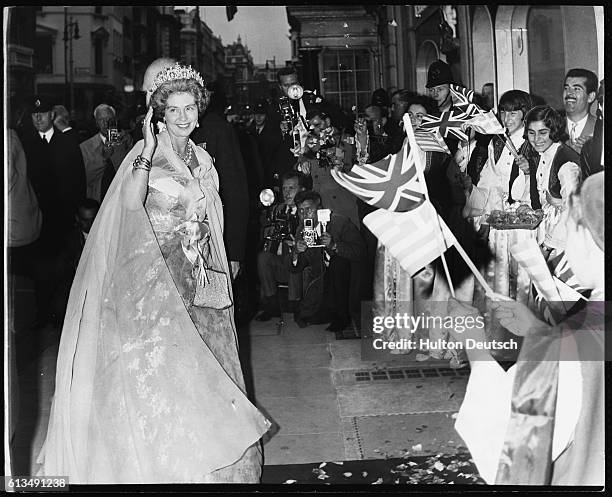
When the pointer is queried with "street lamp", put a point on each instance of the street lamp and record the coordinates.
(71, 32)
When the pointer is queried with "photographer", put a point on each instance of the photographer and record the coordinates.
(279, 226)
(104, 152)
(330, 255)
(289, 116)
(323, 151)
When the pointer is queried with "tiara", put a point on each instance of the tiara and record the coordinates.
(176, 72)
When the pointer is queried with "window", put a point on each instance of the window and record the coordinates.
(43, 54)
(546, 54)
(347, 78)
(99, 56)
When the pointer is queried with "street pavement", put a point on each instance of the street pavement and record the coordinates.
(326, 404)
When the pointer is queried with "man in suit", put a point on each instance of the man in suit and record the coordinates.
(591, 156)
(579, 92)
(219, 139)
(268, 139)
(287, 78)
(62, 122)
(333, 289)
(279, 227)
(56, 172)
(104, 152)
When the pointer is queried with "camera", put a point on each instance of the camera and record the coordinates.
(309, 234)
(113, 134)
(281, 226)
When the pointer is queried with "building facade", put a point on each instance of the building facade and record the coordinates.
(527, 47)
(21, 40)
(347, 52)
(239, 69)
(337, 51)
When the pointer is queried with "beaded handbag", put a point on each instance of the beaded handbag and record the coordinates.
(212, 289)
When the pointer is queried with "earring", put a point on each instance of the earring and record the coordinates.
(197, 124)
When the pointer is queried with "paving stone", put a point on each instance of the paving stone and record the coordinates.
(284, 356)
(292, 382)
(297, 449)
(403, 397)
(392, 435)
(302, 415)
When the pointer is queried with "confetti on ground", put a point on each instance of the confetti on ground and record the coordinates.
(417, 448)
(291, 481)
(454, 415)
(378, 482)
(364, 474)
(439, 466)
(339, 463)
(322, 465)
(347, 475)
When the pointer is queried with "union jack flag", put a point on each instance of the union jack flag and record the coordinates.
(450, 123)
(391, 183)
(461, 96)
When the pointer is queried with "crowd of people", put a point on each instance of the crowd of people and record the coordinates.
(204, 215)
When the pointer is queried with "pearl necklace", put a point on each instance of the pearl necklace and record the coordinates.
(187, 158)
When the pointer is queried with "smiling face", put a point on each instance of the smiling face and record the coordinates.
(538, 135)
(260, 119)
(181, 114)
(576, 99)
(512, 120)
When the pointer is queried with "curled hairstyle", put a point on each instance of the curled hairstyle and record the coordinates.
(430, 105)
(308, 195)
(551, 119)
(589, 76)
(514, 100)
(159, 99)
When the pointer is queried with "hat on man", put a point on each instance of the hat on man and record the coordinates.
(380, 97)
(40, 104)
(439, 73)
(260, 107)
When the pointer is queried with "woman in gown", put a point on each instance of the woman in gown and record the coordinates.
(149, 387)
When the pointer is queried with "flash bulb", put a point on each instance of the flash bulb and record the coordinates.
(266, 197)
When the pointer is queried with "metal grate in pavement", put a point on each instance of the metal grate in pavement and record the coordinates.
(406, 374)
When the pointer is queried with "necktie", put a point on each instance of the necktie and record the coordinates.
(573, 132)
(44, 139)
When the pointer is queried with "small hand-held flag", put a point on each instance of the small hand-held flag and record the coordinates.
(391, 183)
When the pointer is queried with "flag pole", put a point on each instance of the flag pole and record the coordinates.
(414, 150)
(477, 274)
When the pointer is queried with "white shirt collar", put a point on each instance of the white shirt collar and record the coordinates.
(579, 124)
(47, 134)
(67, 129)
(550, 153)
